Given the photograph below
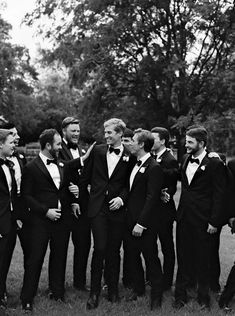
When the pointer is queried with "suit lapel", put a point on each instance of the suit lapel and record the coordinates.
(120, 163)
(200, 170)
(104, 160)
(66, 149)
(4, 180)
(39, 163)
(139, 174)
(184, 167)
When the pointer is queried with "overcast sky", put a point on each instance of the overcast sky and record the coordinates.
(21, 34)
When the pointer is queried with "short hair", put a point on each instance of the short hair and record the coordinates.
(47, 136)
(119, 125)
(146, 137)
(4, 133)
(8, 125)
(128, 133)
(69, 120)
(163, 133)
(198, 132)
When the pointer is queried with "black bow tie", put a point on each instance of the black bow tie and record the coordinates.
(194, 160)
(114, 150)
(8, 163)
(71, 145)
(138, 163)
(49, 161)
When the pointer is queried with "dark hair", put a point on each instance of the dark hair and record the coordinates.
(198, 132)
(163, 134)
(47, 136)
(128, 133)
(4, 133)
(69, 120)
(8, 125)
(146, 137)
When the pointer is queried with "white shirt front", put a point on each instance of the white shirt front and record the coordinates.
(18, 173)
(52, 169)
(113, 159)
(137, 168)
(74, 152)
(192, 167)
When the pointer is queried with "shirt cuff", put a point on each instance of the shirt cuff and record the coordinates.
(81, 160)
(141, 226)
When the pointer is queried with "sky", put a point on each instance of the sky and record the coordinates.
(21, 34)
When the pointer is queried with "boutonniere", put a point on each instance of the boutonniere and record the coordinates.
(21, 156)
(61, 164)
(125, 158)
(142, 170)
(203, 168)
(158, 160)
(79, 172)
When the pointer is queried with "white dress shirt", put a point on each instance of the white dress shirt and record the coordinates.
(74, 152)
(113, 159)
(52, 169)
(192, 167)
(137, 168)
(6, 170)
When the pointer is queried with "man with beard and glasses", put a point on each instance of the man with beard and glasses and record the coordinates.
(199, 215)
(47, 195)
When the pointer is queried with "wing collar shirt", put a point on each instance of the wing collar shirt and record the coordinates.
(192, 167)
(113, 159)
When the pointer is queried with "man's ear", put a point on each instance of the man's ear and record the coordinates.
(48, 146)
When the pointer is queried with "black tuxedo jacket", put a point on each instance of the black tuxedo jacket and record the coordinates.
(144, 197)
(231, 189)
(6, 199)
(170, 169)
(40, 193)
(202, 201)
(103, 188)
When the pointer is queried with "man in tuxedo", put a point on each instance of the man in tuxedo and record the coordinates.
(81, 228)
(167, 214)
(47, 195)
(9, 206)
(198, 216)
(107, 172)
(143, 208)
(20, 229)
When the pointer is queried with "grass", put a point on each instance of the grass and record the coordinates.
(76, 301)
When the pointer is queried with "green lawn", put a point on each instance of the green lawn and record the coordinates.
(76, 301)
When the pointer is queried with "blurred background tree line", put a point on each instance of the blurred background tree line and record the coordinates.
(151, 62)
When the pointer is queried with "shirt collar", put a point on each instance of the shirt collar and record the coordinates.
(144, 158)
(161, 152)
(201, 156)
(44, 158)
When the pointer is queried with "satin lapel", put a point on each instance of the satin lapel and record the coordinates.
(61, 171)
(184, 167)
(104, 159)
(66, 149)
(3, 179)
(139, 174)
(39, 163)
(120, 162)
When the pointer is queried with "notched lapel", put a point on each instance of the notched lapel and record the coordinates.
(66, 149)
(120, 163)
(139, 174)
(44, 170)
(4, 179)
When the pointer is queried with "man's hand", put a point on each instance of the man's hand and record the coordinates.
(211, 229)
(53, 214)
(87, 154)
(165, 197)
(76, 210)
(137, 231)
(19, 224)
(73, 188)
(115, 203)
(213, 154)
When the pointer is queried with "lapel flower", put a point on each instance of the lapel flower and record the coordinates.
(159, 160)
(79, 172)
(61, 164)
(203, 168)
(21, 156)
(125, 158)
(142, 170)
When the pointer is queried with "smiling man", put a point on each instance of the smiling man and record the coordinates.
(199, 215)
(107, 172)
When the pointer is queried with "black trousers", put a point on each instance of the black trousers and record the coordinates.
(40, 237)
(81, 238)
(165, 234)
(3, 247)
(23, 235)
(145, 245)
(126, 267)
(192, 243)
(108, 236)
(215, 259)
